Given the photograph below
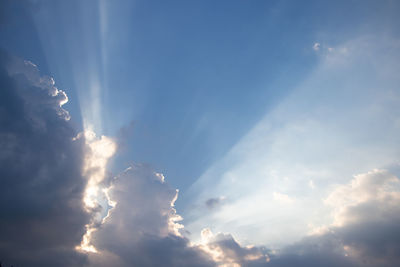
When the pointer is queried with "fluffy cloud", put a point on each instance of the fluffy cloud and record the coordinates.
(42, 218)
(226, 251)
(367, 217)
(143, 228)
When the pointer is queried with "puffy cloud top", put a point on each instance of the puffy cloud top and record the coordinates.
(143, 228)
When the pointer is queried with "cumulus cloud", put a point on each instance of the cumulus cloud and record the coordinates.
(367, 217)
(42, 218)
(226, 251)
(375, 191)
(143, 228)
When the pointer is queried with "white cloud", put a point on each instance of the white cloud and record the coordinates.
(316, 46)
(98, 151)
(143, 227)
(227, 252)
(377, 191)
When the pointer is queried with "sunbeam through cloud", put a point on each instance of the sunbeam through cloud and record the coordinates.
(199, 133)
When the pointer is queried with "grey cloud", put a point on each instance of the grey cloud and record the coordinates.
(41, 215)
(325, 250)
(212, 203)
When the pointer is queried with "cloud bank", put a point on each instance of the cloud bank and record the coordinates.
(41, 218)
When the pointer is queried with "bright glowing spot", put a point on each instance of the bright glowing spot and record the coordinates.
(85, 244)
(98, 152)
(110, 202)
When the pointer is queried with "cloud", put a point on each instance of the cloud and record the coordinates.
(214, 202)
(226, 251)
(367, 216)
(42, 218)
(365, 231)
(375, 191)
(143, 228)
(326, 250)
(316, 46)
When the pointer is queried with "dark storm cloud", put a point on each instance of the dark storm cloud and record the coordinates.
(41, 214)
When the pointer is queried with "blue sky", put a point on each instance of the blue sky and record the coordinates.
(193, 77)
(257, 111)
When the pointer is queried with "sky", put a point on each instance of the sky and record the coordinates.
(199, 133)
